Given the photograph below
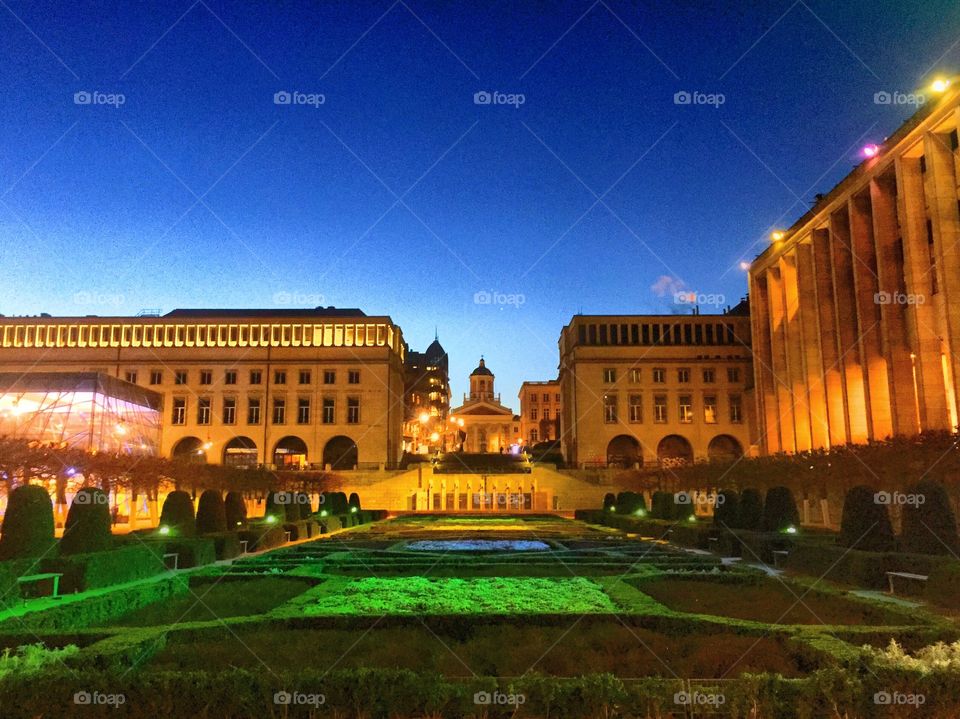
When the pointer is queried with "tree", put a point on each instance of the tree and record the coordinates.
(929, 525)
(779, 510)
(662, 505)
(177, 514)
(211, 513)
(87, 528)
(235, 510)
(609, 501)
(865, 523)
(751, 509)
(27, 529)
(276, 506)
(726, 512)
(354, 502)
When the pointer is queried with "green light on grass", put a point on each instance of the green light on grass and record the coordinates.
(692, 518)
(323, 513)
(164, 530)
(790, 530)
(613, 508)
(271, 519)
(353, 509)
(641, 513)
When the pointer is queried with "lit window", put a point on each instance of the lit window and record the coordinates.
(636, 408)
(659, 375)
(353, 410)
(736, 409)
(609, 408)
(329, 410)
(303, 410)
(710, 409)
(279, 411)
(609, 375)
(253, 410)
(179, 411)
(634, 375)
(660, 408)
(685, 407)
(229, 410)
(203, 410)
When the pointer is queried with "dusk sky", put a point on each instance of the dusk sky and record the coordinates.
(182, 183)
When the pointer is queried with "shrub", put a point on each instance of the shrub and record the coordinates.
(630, 503)
(340, 503)
(930, 527)
(87, 528)
(726, 512)
(751, 509)
(226, 545)
(177, 514)
(943, 587)
(330, 524)
(306, 508)
(190, 551)
(235, 510)
(277, 506)
(662, 505)
(27, 529)
(262, 536)
(779, 510)
(354, 500)
(104, 569)
(211, 513)
(865, 523)
(609, 500)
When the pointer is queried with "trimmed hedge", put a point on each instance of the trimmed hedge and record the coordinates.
(354, 500)
(211, 513)
(193, 552)
(751, 509)
(226, 545)
(104, 569)
(943, 587)
(865, 523)
(609, 500)
(260, 536)
(277, 507)
(661, 505)
(177, 514)
(330, 524)
(930, 527)
(87, 528)
(726, 512)
(27, 529)
(235, 509)
(779, 510)
(630, 503)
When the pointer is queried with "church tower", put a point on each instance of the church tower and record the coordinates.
(481, 383)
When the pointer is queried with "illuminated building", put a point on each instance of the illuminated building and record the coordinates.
(287, 388)
(426, 400)
(856, 307)
(539, 411)
(487, 426)
(655, 390)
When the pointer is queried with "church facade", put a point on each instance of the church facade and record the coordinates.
(487, 425)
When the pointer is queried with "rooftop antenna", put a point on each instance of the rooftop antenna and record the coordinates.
(436, 335)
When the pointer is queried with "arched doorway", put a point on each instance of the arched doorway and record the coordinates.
(624, 451)
(340, 453)
(240, 452)
(723, 447)
(190, 449)
(674, 451)
(290, 453)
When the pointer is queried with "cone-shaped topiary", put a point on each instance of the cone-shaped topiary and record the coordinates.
(177, 514)
(726, 512)
(354, 501)
(306, 508)
(235, 510)
(779, 511)
(211, 513)
(87, 528)
(929, 525)
(751, 509)
(276, 506)
(662, 506)
(865, 523)
(28, 524)
(609, 501)
(631, 503)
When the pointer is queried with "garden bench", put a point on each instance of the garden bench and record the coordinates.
(176, 560)
(905, 575)
(289, 535)
(31, 578)
(779, 554)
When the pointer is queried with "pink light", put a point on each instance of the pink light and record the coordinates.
(870, 150)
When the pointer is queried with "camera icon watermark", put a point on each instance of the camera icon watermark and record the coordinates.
(502, 299)
(91, 498)
(713, 99)
(898, 298)
(697, 698)
(291, 498)
(98, 698)
(898, 699)
(85, 297)
(498, 698)
(311, 99)
(899, 499)
(690, 498)
(295, 698)
(95, 97)
(304, 299)
(703, 299)
(899, 98)
(516, 99)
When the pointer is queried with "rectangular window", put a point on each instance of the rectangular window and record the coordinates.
(253, 410)
(736, 409)
(279, 411)
(533, 436)
(329, 376)
(353, 376)
(280, 376)
(609, 375)
(533, 397)
(229, 410)
(534, 414)
(659, 375)
(709, 376)
(156, 377)
(609, 408)
(546, 413)
(256, 376)
(180, 376)
(203, 410)
(546, 397)
(733, 374)
(557, 397)
(303, 410)
(353, 410)
(683, 375)
(131, 377)
(304, 376)
(179, 411)
(230, 377)
(660, 408)
(206, 376)
(685, 407)
(710, 408)
(329, 410)
(635, 375)
(636, 408)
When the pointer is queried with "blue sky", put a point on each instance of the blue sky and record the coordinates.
(399, 194)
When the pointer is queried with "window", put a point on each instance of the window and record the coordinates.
(710, 408)
(635, 375)
(131, 377)
(329, 410)
(660, 408)
(206, 376)
(683, 375)
(304, 376)
(546, 397)
(203, 410)
(556, 397)
(353, 410)
(156, 376)
(636, 408)
(229, 410)
(280, 376)
(533, 436)
(609, 375)
(709, 376)
(179, 411)
(534, 414)
(256, 376)
(253, 410)
(329, 376)
(180, 376)
(303, 410)
(546, 413)
(533, 397)
(685, 407)
(659, 375)
(279, 410)
(733, 374)
(609, 408)
(353, 376)
(736, 409)
(230, 376)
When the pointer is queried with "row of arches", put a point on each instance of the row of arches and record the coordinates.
(674, 449)
(290, 452)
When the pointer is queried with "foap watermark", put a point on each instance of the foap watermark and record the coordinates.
(95, 97)
(702, 299)
(305, 299)
(498, 698)
(291, 498)
(91, 498)
(492, 297)
(685, 97)
(899, 699)
(690, 498)
(516, 99)
(295, 698)
(898, 298)
(97, 698)
(312, 99)
(701, 699)
(85, 297)
(899, 98)
(899, 499)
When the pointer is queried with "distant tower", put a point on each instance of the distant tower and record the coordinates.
(481, 382)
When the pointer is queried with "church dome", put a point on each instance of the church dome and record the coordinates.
(481, 370)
